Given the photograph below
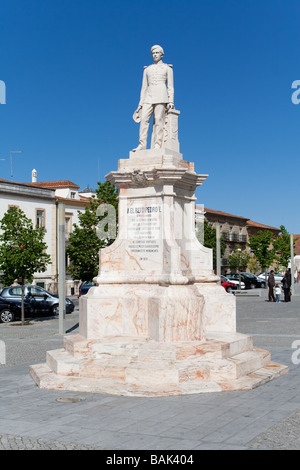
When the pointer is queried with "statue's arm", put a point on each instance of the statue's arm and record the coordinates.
(143, 89)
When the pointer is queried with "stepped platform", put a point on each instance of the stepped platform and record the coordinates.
(142, 367)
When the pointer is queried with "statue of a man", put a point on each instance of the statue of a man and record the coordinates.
(157, 96)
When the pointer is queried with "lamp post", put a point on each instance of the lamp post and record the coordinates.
(292, 263)
(61, 267)
(239, 267)
(218, 252)
(11, 168)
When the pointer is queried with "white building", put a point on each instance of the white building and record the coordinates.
(39, 201)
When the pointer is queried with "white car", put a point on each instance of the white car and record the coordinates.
(277, 276)
(234, 281)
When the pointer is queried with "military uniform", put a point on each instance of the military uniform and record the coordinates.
(157, 91)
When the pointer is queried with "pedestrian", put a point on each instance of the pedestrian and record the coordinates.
(286, 285)
(271, 284)
(277, 292)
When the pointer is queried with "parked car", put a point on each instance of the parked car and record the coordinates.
(234, 281)
(10, 310)
(228, 286)
(85, 286)
(37, 299)
(250, 280)
(278, 276)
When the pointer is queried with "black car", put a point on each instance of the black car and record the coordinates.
(250, 280)
(37, 299)
(10, 310)
(85, 286)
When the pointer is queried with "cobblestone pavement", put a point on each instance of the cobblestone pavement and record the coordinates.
(267, 417)
(8, 442)
(282, 436)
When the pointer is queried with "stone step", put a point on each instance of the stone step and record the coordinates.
(255, 379)
(251, 361)
(217, 345)
(62, 362)
(110, 346)
(232, 343)
(45, 378)
(240, 365)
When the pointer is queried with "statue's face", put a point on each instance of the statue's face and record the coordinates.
(157, 55)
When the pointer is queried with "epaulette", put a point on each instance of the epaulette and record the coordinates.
(170, 65)
(145, 66)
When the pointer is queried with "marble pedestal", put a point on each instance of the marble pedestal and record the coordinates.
(157, 322)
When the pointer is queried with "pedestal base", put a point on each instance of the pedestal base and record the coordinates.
(157, 322)
(139, 366)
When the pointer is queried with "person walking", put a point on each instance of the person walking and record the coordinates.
(277, 292)
(271, 284)
(286, 285)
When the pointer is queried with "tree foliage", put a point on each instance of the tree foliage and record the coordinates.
(238, 259)
(84, 243)
(22, 249)
(261, 246)
(282, 247)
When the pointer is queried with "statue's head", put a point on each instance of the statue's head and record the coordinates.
(157, 52)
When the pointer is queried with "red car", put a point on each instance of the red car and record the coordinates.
(228, 286)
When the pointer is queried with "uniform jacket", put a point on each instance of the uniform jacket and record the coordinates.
(157, 86)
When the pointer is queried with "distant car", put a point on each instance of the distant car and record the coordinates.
(278, 276)
(250, 280)
(85, 286)
(9, 310)
(234, 281)
(37, 299)
(228, 286)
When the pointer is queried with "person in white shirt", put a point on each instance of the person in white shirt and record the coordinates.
(277, 292)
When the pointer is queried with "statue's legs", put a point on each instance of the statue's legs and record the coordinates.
(159, 112)
(147, 111)
(158, 125)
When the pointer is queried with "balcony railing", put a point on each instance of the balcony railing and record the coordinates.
(234, 237)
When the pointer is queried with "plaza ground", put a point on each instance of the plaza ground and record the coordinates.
(267, 417)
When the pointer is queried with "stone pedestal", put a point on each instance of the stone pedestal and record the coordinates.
(157, 322)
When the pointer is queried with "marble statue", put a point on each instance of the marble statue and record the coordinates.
(157, 97)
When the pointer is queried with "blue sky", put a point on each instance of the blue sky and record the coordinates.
(73, 72)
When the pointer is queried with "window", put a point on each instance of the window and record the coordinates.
(73, 195)
(68, 225)
(36, 291)
(16, 290)
(40, 218)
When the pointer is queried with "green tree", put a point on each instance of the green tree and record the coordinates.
(238, 259)
(253, 264)
(22, 250)
(84, 242)
(282, 247)
(261, 246)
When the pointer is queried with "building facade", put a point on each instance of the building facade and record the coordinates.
(234, 229)
(39, 201)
